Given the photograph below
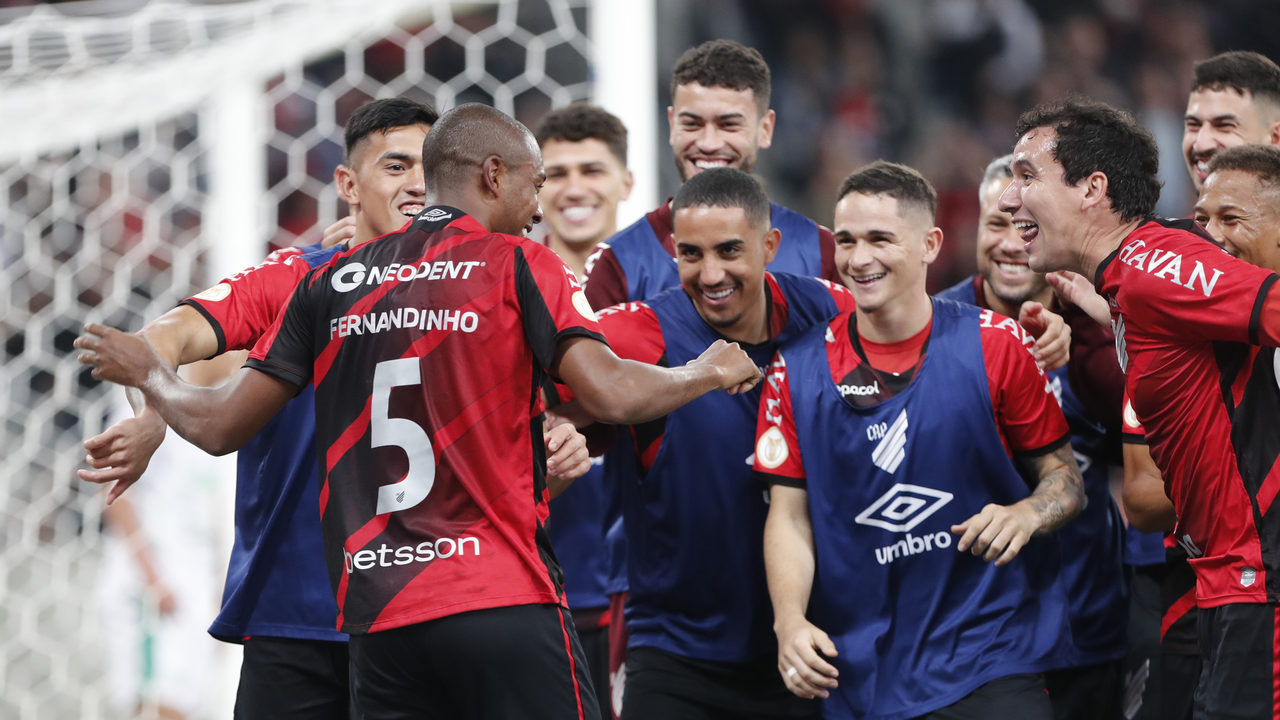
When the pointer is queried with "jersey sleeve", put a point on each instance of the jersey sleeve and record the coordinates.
(634, 332)
(243, 307)
(777, 456)
(1196, 291)
(1027, 411)
(606, 283)
(552, 304)
(1131, 427)
(841, 294)
(286, 350)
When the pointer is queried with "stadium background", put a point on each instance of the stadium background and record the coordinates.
(148, 148)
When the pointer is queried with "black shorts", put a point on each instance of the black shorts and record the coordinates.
(1013, 696)
(662, 685)
(523, 661)
(1089, 691)
(293, 679)
(1238, 643)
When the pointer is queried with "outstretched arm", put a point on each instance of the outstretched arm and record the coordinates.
(618, 391)
(789, 565)
(999, 532)
(217, 420)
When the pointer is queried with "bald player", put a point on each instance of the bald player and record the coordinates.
(426, 351)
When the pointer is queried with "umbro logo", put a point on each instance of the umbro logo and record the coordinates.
(435, 214)
(903, 507)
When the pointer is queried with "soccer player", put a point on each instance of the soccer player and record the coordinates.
(277, 600)
(698, 616)
(1093, 566)
(719, 117)
(584, 152)
(426, 351)
(1235, 99)
(1188, 319)
(917, 457)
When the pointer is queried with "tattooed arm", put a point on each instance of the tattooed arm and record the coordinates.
(998, 532)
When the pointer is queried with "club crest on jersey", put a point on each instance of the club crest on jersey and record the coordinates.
(892, 448)
(216, 293)
(771, 449)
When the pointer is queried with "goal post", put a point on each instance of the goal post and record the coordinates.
(149, 148)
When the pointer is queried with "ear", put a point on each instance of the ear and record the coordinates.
(766, 129)
(772, 240)
(932, 244)
(493, 174)
(628, 182)
(344, 180)
(1273, 133)
(1095, 191)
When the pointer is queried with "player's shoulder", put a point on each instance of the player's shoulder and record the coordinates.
(626, 312)
(996, 330)
(641, 230)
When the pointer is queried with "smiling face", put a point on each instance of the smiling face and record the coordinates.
(383, 183)
(585, 183)
(1217, 120)
(883, 250)
(716, 127)
(1002, 256)
(519, 208)
(1241, 213)
(721, 258)
(1045, 209)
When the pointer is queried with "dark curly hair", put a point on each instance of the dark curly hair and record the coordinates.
(726, 64)
(1095, 137)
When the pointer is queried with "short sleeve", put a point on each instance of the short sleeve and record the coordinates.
(1026, 410)
(1131, 427)
(553, 305)
(243, 306)
(286, 350)
(777, 456)
(634, 332)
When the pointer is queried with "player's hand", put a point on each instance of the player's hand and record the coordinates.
(166, 603)
(121, 453)
(804, 670)
(567, 457)
(341, 231)
(998, 532)
(737, 372)
(1077, 290)
(116, 356)
(1052, 334)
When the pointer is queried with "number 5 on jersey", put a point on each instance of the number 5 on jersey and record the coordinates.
(404, 434)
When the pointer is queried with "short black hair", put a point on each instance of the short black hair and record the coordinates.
(902, 183)
(1242, 71)
(1260, 161)
(725, 64)
(464, 137)
(1095, 137)
(725, 187)
(583, 121)
(384, 115)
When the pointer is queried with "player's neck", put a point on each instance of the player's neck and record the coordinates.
(1099, 245)
(894, 322)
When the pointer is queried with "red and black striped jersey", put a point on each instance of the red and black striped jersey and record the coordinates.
(426, 350)
(1188, 318)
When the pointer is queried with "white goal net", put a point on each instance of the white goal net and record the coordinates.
(148, 148)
